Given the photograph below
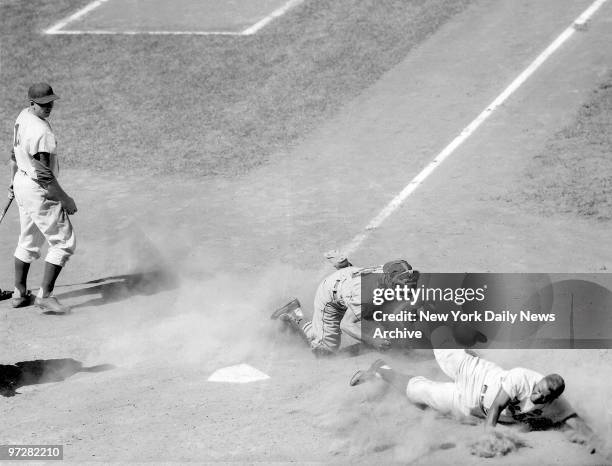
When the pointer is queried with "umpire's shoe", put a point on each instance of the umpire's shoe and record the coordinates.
(51, 305)
(291, 310)
(361, 376)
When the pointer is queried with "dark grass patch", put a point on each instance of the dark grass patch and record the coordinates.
(204, 105)
(573, 175)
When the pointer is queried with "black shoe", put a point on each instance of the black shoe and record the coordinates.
(19, 300)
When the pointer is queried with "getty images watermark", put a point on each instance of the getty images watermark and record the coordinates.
(509, 310)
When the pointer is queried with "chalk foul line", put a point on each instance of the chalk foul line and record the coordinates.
(58, 28)
(397, 201)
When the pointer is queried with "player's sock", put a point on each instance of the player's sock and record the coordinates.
(52, 271)
(21, 276)
(396, 379)
(386, 373)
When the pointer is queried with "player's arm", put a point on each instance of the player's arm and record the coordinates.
(578, 431)
(46, 179)
(13, 168)
(351, 325)
(501, 401)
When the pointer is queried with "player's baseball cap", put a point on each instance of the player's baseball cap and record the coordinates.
(337, 259)
(41, 93)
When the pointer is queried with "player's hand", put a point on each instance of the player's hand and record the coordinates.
(11, 193)
(576, 437)
(69, 205)
(582, 439)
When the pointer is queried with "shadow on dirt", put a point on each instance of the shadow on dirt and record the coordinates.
(40, 371)
(120, 287)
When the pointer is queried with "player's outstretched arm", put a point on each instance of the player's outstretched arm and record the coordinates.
(499, 404)
(578, 431)
(351, 325)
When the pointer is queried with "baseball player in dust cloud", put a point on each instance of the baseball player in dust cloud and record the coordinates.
(43, 205)
(482, 389)
(337, 305)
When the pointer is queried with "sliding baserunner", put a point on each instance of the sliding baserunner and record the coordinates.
(483, 389)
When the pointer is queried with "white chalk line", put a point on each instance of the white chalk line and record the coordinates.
(58, 28)
(101, 32)
(55, 29)
(275, 14)
(397, 201)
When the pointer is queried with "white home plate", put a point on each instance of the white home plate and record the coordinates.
(242, 373)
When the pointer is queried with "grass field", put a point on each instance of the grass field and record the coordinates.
(205, 105)
(573, 175)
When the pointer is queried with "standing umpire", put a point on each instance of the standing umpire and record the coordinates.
(43, 205)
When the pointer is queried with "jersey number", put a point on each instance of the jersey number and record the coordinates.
(16, 138)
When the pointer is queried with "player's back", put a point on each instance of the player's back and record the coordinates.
(31, 136)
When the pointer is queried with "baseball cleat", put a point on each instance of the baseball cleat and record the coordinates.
(5, 295)
(19, 300)
(359, 377)
(362, 376)
(292, 308)
(51, 305)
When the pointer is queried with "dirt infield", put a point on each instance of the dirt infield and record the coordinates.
(175, 276)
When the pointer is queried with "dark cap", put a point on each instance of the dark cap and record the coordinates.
(41, 93)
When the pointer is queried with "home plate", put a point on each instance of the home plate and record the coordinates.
(241, 373)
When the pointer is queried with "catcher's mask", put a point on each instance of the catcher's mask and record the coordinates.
(400, 272)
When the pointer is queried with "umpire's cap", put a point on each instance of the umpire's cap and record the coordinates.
(41, 93)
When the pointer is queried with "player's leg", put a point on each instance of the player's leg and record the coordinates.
(53, 222)
(441, 396)
(450, 361)
(316, 333)
(291, 315)
(325, 329)
(381, 369)
(21, 276)
(450, 355)
(28, 245)
(322, 333)
(50, 275)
